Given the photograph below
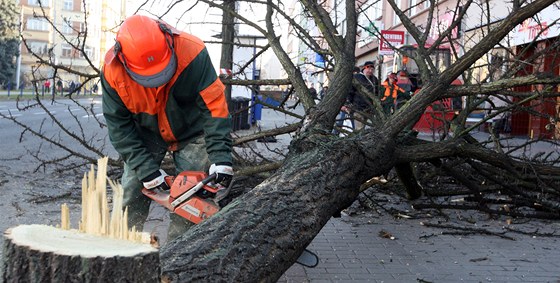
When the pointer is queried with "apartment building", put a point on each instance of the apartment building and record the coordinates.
(72, 34)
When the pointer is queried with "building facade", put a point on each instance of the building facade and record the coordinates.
(71, 34)
(538, 34)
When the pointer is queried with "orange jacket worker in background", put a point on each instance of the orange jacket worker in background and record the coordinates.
(391, 93)
(161, 94)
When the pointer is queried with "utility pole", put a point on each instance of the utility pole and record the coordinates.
(18, 62)
(228, 33)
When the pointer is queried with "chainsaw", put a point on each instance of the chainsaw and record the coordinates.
(190, 195)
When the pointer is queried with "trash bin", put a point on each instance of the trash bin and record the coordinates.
(240, 115)
(257, 109)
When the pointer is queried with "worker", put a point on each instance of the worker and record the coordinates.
(161, 94)
(393, 94)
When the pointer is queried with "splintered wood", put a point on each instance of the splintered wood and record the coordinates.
(96, 218)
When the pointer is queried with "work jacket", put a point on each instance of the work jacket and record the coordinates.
(393, 92)
(144, 120)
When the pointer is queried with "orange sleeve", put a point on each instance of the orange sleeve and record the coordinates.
(215, 99)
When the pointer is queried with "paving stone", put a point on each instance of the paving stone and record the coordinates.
(356, 253)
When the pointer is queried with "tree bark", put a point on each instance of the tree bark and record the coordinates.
(38, 253)
(258, 236)
(228, 35)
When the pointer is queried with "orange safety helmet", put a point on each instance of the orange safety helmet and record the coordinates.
(145, 48)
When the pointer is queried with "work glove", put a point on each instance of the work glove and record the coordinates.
(156, 180)
(224, 173)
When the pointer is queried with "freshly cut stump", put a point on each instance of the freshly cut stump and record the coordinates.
(40, 253)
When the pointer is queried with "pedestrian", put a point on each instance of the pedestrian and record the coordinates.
(323, 92)
(314, 95)
(501, 116)
(344, 116)
(393, 94)
(360, 105)
(161, 94)
(59, 86)
(47, 85)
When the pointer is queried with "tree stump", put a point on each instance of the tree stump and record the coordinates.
(39, 253)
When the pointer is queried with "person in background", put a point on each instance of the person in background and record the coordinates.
(360, 105)
(47, 86)
(393, 94)
(323, 92)
(500, 121)
(59, 86)
(72, 87)
(345, 116)
(161, 94)
(314, 94)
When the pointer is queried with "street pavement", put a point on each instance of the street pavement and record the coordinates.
(383, 247)
(352, 249)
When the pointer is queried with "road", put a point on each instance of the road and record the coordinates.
(80, 122)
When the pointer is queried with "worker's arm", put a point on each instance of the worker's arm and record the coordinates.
(123, 133)
(215, 115)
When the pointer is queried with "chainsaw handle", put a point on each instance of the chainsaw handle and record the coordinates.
(209, 179)
(193, 190)
(170, 179)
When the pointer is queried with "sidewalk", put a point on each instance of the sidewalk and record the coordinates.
(359, 248)
(351, 250)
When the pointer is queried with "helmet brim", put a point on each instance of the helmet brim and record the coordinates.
(157, 79)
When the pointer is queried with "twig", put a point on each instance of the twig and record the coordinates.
(466, 230)
(43, 199)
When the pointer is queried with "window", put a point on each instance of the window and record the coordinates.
(368, 20)
(42, 3)
(37, 47)
(68, 5)
(67, 27)
(89, 53)
(396, 19)
(66, 50)
(37, 24)
(412, 7)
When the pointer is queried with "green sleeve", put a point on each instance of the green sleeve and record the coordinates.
(217, 131)
(123, 133)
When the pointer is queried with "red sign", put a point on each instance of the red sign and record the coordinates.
(390, 38)
(441, 24)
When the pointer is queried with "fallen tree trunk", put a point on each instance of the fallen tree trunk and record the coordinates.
(258, 236)
(39, 253)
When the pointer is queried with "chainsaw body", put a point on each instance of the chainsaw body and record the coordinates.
(189, 195)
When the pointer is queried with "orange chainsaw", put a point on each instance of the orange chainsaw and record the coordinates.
(189, 195)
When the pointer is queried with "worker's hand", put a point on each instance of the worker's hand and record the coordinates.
(224, 173)
(156, 180)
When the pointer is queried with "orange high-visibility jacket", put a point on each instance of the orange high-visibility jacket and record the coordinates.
(391, 91)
